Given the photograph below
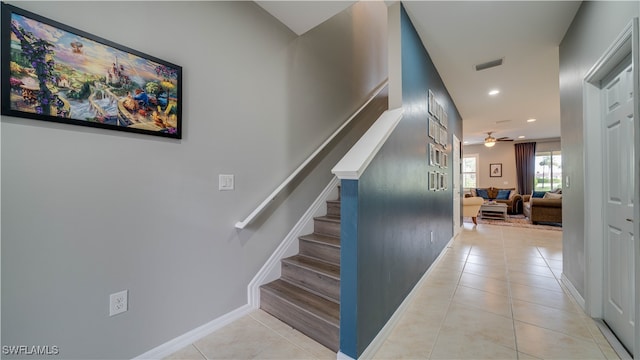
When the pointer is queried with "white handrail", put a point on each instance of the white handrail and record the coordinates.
(355, 162)
(274, 194)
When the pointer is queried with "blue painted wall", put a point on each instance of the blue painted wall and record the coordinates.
(396, 211)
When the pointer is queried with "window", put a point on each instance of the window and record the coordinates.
(470, 171)
(548, 171)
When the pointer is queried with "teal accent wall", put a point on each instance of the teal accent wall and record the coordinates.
(348, 266)
(396, 213)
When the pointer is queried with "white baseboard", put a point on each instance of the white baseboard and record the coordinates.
(289, 246)
(574, 292)
(342, 356)
(194, 335)
(386, 330)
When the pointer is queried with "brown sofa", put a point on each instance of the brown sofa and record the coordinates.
(514, 202)
(542, 210)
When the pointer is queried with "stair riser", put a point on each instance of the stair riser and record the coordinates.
(316, 282)
(333, 209)
(327, 227)
(325, 333)
(320, 251)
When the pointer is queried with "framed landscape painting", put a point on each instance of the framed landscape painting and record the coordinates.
(53, 72)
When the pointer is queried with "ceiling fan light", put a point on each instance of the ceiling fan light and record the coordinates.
(489, 142)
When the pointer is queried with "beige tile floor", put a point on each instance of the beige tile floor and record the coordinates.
(495, 294)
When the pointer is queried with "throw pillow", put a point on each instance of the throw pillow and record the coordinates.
(538, 194)
(483, 193)
(503, 194)
(551, 195)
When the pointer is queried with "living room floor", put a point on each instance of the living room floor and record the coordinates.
(494, 294)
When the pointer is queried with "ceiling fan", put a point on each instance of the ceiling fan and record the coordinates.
(490, 141)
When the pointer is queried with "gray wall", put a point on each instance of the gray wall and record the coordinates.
(88, 212)
(595, 27)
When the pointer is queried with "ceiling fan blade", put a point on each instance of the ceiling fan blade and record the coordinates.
(504, 139)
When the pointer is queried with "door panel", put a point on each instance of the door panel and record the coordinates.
(619, 278)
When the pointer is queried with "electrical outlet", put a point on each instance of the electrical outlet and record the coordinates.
(118, 302)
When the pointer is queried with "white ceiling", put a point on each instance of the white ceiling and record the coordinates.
(461, 34)
(302, 16)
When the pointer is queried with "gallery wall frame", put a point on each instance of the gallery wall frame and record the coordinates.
(433, 128)
(432, 155)
(433, 181)
(443, 136)
(57, 73)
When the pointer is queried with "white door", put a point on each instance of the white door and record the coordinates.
(456, 185)
(619, 288)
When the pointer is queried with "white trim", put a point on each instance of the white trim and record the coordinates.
(457, 190)
(274, 194)
(194, 335)
(386, 330)
(613, 340)
(635, 60)
(355, 162)
(342, 356)
(289, 246)
(593, 205)
(573, 291)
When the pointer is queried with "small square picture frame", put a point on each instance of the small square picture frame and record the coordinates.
(495, 170)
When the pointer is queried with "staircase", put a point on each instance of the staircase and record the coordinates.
(307, 295)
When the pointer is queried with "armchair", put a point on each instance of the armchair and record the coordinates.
(471, 207)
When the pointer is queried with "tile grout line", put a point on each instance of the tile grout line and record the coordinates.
(567, 293)
(450, 301)
(510, 298)
(199, 351)
(284, 337)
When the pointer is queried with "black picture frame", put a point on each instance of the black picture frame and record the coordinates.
(87, 80)
(495, 170)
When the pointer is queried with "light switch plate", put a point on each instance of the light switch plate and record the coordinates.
(226, 182)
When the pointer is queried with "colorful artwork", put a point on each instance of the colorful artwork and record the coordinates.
(56, 73)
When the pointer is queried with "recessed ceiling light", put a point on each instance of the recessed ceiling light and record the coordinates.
(521, 137)
(466, 142)
(494, 92)
(531, 120)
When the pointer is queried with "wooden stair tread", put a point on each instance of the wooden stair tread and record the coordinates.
(320, 307)
(334, 219)
(328, 269)
(322, 239)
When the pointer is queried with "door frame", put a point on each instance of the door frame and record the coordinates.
(626, 44)
(457, 149)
